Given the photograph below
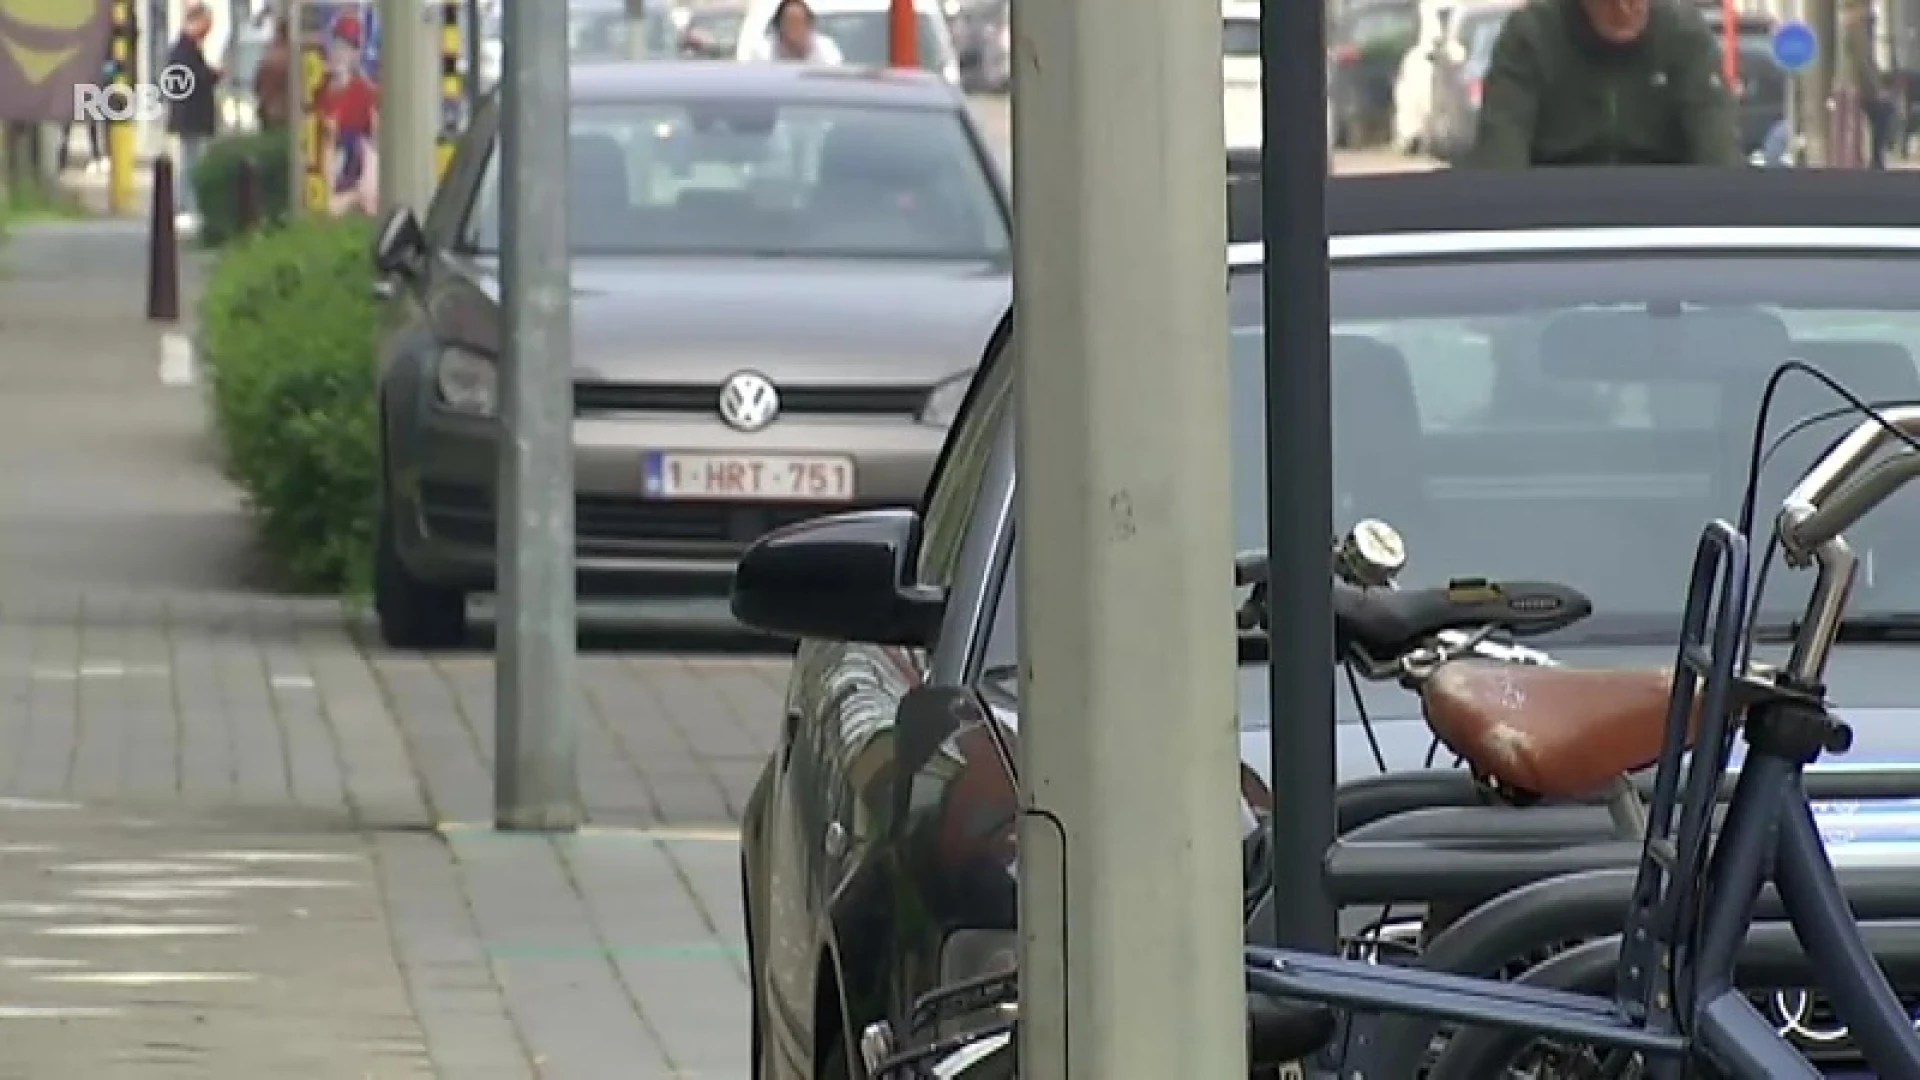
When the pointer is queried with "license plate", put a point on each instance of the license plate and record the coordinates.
(749, 477)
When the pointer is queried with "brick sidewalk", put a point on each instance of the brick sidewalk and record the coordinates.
(239, 835)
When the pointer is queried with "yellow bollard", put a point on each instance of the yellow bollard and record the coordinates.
(120, 155)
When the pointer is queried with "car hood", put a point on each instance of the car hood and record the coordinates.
(820, 321)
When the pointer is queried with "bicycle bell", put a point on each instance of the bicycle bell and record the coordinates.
(1371, 555)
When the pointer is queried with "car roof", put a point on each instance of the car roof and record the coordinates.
(617, 81)
(1477, 214)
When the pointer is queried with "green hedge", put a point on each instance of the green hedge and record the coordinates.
(287, 327)
(216, 181)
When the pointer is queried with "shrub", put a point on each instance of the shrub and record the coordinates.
(216, 182)
(287, 327)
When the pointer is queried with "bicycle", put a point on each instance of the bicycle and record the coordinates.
(1676, 1004)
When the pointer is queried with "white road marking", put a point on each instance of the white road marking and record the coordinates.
(146, 930)
(136, 868)
(148, 978)
(291, 682)
(57, 1012)
(39, 963)
(225, 883)
(143, 893)
(177, 366)
(36, 804)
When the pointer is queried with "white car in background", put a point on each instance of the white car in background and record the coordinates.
(1240, 70)
(859, 28)
(1444, 25)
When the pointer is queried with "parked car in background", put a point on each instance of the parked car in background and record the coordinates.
(1761, 87)
(1240, 71)
(1366, 40)
(1444, 44)
(1457, 80)
(598, 30)
(860, 29)
(712, 31)
(983, 37)
(783, 277)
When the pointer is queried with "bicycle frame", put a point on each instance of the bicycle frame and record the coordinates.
(1676, 1000)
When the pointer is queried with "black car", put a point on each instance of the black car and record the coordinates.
(1493, 398)
(1366, 40)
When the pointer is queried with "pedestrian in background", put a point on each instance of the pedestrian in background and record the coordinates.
(1605, 82)
(271, 79)
(194, 116)
(96, 128)
(792, 39)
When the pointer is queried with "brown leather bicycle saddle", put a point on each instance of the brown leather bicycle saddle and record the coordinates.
(1553, 732)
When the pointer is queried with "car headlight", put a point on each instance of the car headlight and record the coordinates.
(943, 405)
(466, 383)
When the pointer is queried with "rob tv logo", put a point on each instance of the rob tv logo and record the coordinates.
(116, 103)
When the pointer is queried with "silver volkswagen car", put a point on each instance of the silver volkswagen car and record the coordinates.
(782, 280)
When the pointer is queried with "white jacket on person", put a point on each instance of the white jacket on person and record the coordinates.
(767, 51)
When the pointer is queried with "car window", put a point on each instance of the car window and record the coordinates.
(1240, 37)
(955, 489)
(760, 178)
(862, 37)
(1580, 420)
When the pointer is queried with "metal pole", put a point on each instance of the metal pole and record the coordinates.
(303, 130)
(1127, 665)
(453, 91)
(409, 102)
(536, 785)
(122, 136)
(470, 42)
(1817, 83)
(1299, 467)
(637, 30)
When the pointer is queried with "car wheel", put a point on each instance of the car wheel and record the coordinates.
(414, 614)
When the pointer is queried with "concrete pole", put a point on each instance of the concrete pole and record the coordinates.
(536, 784)
(1126, 626)
(409, 124)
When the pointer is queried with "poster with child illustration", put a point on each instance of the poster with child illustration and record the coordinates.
(340, 63)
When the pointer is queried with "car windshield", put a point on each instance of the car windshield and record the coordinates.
(1372, 26)
(862, 37)
(721, 25)
(1241, 37)
(744, 177)
(1580, 420)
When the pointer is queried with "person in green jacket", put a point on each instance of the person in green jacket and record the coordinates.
(1605, 82)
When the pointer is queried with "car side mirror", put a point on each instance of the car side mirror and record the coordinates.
(400, 244)
(847, 577)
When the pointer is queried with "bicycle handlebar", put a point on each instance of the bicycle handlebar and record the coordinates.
(1835, 493)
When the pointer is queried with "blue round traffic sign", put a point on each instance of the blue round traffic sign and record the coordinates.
(1794, 45)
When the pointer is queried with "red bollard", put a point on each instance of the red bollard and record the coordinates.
(903, 34)
(247, 198)
(163, 248)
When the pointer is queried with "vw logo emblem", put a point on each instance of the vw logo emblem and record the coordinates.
(748, 401)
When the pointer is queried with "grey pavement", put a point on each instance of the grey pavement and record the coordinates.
(242, 840)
